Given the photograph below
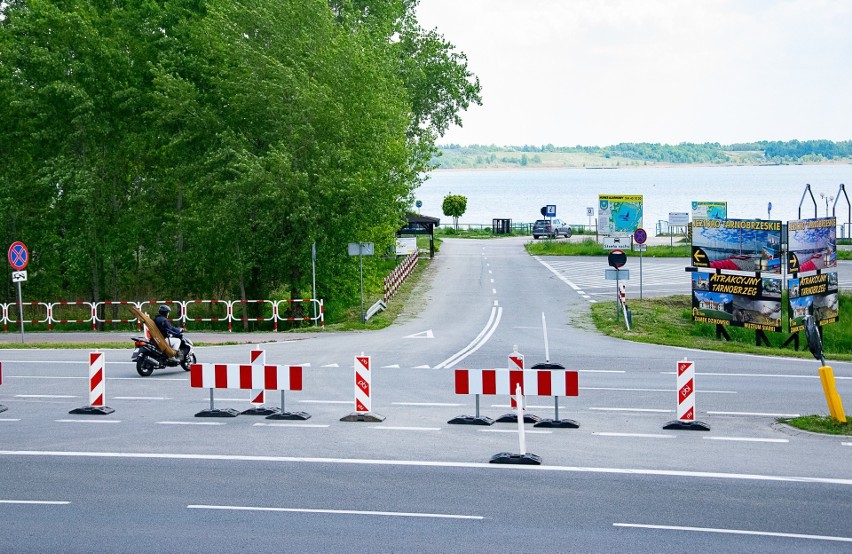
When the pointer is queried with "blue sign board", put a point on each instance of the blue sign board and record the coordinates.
(550, 210)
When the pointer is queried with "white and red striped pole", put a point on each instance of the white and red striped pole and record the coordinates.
(516, 362)
(686, 400)
(257, 359)
(363, 392)
(97, 387)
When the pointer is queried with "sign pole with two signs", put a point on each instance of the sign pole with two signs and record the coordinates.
(19, 257)
(617, 259)
(640, 236)
(361, 249)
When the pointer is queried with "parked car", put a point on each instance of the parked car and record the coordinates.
(551, 228)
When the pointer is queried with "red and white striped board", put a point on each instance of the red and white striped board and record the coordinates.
(541, 382)
(516, 362)
(258, 358)
(245, 376)
(686, 391)
(622, 293)
(363, 402)
(97, 380)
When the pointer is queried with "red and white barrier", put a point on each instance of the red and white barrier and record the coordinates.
(516, 362)
(398, 276)
(540, 382)
(686, 400)
(363, 392)
(258, 396)
(97, 387)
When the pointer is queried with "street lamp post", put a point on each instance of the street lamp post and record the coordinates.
(828, 198)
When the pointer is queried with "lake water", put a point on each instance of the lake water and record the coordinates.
(519, 194)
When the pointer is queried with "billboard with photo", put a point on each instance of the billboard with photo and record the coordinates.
(814, 295)
(750, 245)
(709, 210)
(811, 244)
(619, 214)
(749, 301)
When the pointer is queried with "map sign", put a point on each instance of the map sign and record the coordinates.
(814, 295)
(811, 244)
(709, 210)
(737, 244)
(619, 213)
(749, 301)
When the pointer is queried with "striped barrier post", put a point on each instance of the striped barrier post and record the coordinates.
(533, 382)
(97, 387)
(363, 392)
(245, 377)
(2, 408)
(516, 363)
(257, 397)
(686, 400)
(524, 458)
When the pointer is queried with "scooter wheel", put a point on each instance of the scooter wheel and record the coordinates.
(187, 363)
(141, 368)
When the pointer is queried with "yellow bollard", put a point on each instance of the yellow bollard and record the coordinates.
(835, 404)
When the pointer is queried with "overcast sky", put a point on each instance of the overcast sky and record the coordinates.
(600, 72)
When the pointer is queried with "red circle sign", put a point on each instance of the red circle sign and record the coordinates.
(19, 256)
(617, 258)
(640, 236)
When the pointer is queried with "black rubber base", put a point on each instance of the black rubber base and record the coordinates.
(301, 416)
(3, 408)
(558, 424)
(216, 412)
(261, 411)
(92, 410)
(678, 425)
(471, 420)
(369, 417)
(513, 418)
(518, 459)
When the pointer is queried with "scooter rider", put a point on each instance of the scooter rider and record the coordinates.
(169, 331)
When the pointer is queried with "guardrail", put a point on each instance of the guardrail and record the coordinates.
(187, 311)
(398, 276)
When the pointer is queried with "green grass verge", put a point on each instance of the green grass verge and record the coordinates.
(819, 424)
(589, 247)
(668, 321)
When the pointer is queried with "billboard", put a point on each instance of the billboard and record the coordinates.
(749, 301)
(737, 244)
(619, 213)
(811, 244)
(709, 210)
(814, 295)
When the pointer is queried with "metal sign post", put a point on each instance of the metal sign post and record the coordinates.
(640, 236)
(19, 257)
(361, 249)
(314, 280)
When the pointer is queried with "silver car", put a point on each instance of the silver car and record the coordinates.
(550, 228)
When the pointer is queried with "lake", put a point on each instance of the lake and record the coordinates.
(519, 194)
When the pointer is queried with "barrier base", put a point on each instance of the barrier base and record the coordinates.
(369, 417)
(677, 425)
(216, 412)
(92, 410)
(513, 418)
(301, 416)
(261, 411)
(519, 459)
(471, 420)
(3, 408)
(558, 424)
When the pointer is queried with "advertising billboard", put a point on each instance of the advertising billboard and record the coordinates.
(619, 213)
(709, 210)
(814, 295)
(811, 244)
(749, 301)
(737, 244)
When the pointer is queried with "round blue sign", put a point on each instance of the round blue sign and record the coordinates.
(19, 256)
(418, 203)
(640, 236)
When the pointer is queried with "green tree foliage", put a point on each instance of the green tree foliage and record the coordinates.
(198, 148)
(454, 206)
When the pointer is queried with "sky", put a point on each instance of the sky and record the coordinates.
(601, 72)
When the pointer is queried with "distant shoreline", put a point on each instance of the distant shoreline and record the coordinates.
(652, 165)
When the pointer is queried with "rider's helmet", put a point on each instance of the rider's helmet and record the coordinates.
(164, 310)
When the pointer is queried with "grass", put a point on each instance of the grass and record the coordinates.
(590, 247)
(668, 321)
(819, 424)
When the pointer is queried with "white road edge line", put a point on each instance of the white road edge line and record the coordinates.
(308, 425)
(752, 414)
(637, 435)
(743, 439)
(336, 512)
(428, 404)
(425, 463)
(87, 420)
(735, 532)
(37, 502)
(190, 423)
(404, 428)
(652, 410)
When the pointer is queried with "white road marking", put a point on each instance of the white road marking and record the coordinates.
(846, 444)
(764, 414)
(657, 390)
(530, 407)
(405, 428)
(331, 365)
(87, 420)
(602, 371)
(735, 532)
(309, 425)
(326, 401)
(209, 423)
(427, 404)
(140, 398)
(422, 335)
(4, 419)
(653, 410)
(637, 435)
(422, 367)
(335, 512)
(152, 378)
(43, 376)
(45, 396)
(394, 366)
(478, 342)
(424, 463)
(493, 291)
(37, 502)
(771, 375)
(514, 431)
(743, 439)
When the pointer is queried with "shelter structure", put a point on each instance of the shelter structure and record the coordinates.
(417, 224)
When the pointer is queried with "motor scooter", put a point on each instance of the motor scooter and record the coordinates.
(148, 357)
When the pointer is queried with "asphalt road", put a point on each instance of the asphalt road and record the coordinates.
(152, 477)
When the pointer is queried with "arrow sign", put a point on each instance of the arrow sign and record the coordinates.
(699, 258)
(422, 335)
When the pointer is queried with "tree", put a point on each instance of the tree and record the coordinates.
(454, 206)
